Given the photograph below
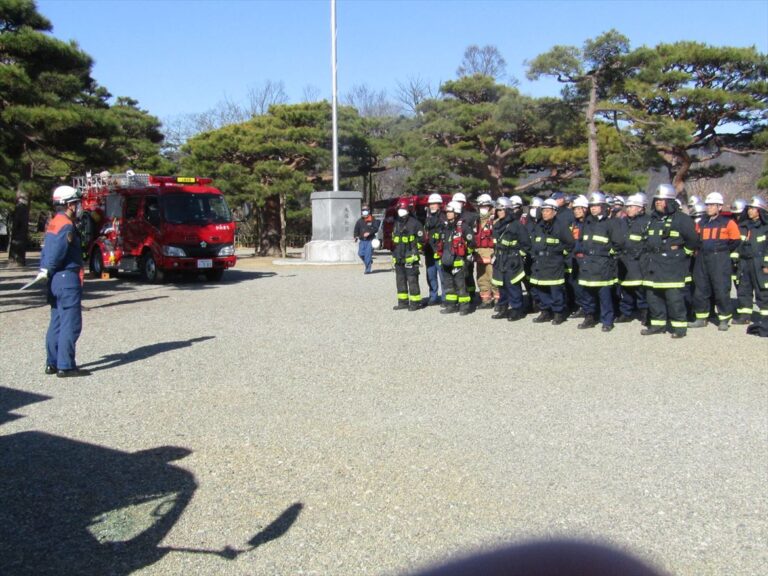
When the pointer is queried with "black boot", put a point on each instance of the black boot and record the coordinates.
(485, 305)
(414, 305)
(401, 305)
(544, 316)
(558, 319)
(623, 319)
(450, 309)
(589, 322)
(643, 316)
(651, 330)
(578, 313)
(501, 313)
(464, 310)
(514, 314)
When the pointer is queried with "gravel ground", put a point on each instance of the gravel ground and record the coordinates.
(287, 421)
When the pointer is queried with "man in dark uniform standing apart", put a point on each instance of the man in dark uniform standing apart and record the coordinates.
(61, 262)
(365, 231)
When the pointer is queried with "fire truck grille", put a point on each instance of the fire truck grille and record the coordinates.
(197, 251)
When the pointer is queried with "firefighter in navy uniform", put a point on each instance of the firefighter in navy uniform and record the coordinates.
(61, 262)
(719, 237)
(432, 229)
(580, 209)
(753, 265)
(456, 244)
(551, 241)
(600, 239)
(670, 241)
(632, 302)
(407, 236)
(511, 242)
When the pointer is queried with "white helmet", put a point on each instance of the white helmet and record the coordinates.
(484, 200)
(619, 200)
(435, 199)
(536, 202)
(636, 200)
(581, 202)
(665, 192)
(738, 205)
(459, 197)
(714, 198)
(516, 200)
(549, 203)
(757, 202)
(699, 209)
(597, 198)
(454, 207)
(64, 195)
(693, 200)
(503, 203)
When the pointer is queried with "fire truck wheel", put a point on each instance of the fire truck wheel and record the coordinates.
(149, 270)
(96, 263)
(215, 274)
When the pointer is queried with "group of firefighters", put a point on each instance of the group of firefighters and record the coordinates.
(601, 259)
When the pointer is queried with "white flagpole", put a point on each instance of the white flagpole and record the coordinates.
(334, 103)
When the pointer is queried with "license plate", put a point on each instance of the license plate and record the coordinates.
(205, 263)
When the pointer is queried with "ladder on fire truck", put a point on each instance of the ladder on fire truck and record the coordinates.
(106, 182)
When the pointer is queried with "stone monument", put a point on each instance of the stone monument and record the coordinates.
(333, 223)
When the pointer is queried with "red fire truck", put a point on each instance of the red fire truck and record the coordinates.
(154, 225)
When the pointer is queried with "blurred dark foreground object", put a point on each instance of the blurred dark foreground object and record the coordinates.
(550, 558)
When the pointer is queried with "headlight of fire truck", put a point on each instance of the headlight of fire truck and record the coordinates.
(228, 250)
(174, 252)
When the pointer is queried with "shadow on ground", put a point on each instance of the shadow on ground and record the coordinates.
(142, 353)
(70, 507)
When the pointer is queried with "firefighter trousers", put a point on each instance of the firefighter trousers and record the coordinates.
(632, 300)
(550, 297)
(509, 294)
(66, 321)
(407, 280)
(599, 297)
(456, 293)
(667, 306)
(484, 281)
(749, 285)
(712, 279)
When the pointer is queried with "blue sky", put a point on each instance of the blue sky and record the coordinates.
(184, 56)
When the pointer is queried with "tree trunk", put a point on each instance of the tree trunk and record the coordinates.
(594, 160)
(17, 250)
(283, 238)
(678, 180)
(269, 237)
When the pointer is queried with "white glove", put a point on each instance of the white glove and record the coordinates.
(43, 274)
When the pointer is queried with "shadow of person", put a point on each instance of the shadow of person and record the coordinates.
(12, 399)
(142, 353)
(69, 507)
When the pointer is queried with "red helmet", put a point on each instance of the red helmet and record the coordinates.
(403, 203)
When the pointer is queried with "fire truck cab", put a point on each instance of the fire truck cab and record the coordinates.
(154, 225)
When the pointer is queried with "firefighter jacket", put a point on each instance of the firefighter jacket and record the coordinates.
(718, 235)
(753, 251)
(670, 241)
(366, 224)
(62, 250)
(512, 242)
(601, 237)
(407, 237)
(550, 244)
(484, 238)
(632, 250)
(432, 228)
(456, 243)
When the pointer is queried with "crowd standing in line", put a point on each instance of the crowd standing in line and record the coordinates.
(601, 259)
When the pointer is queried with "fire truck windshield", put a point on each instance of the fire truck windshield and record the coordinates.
(195, 208)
